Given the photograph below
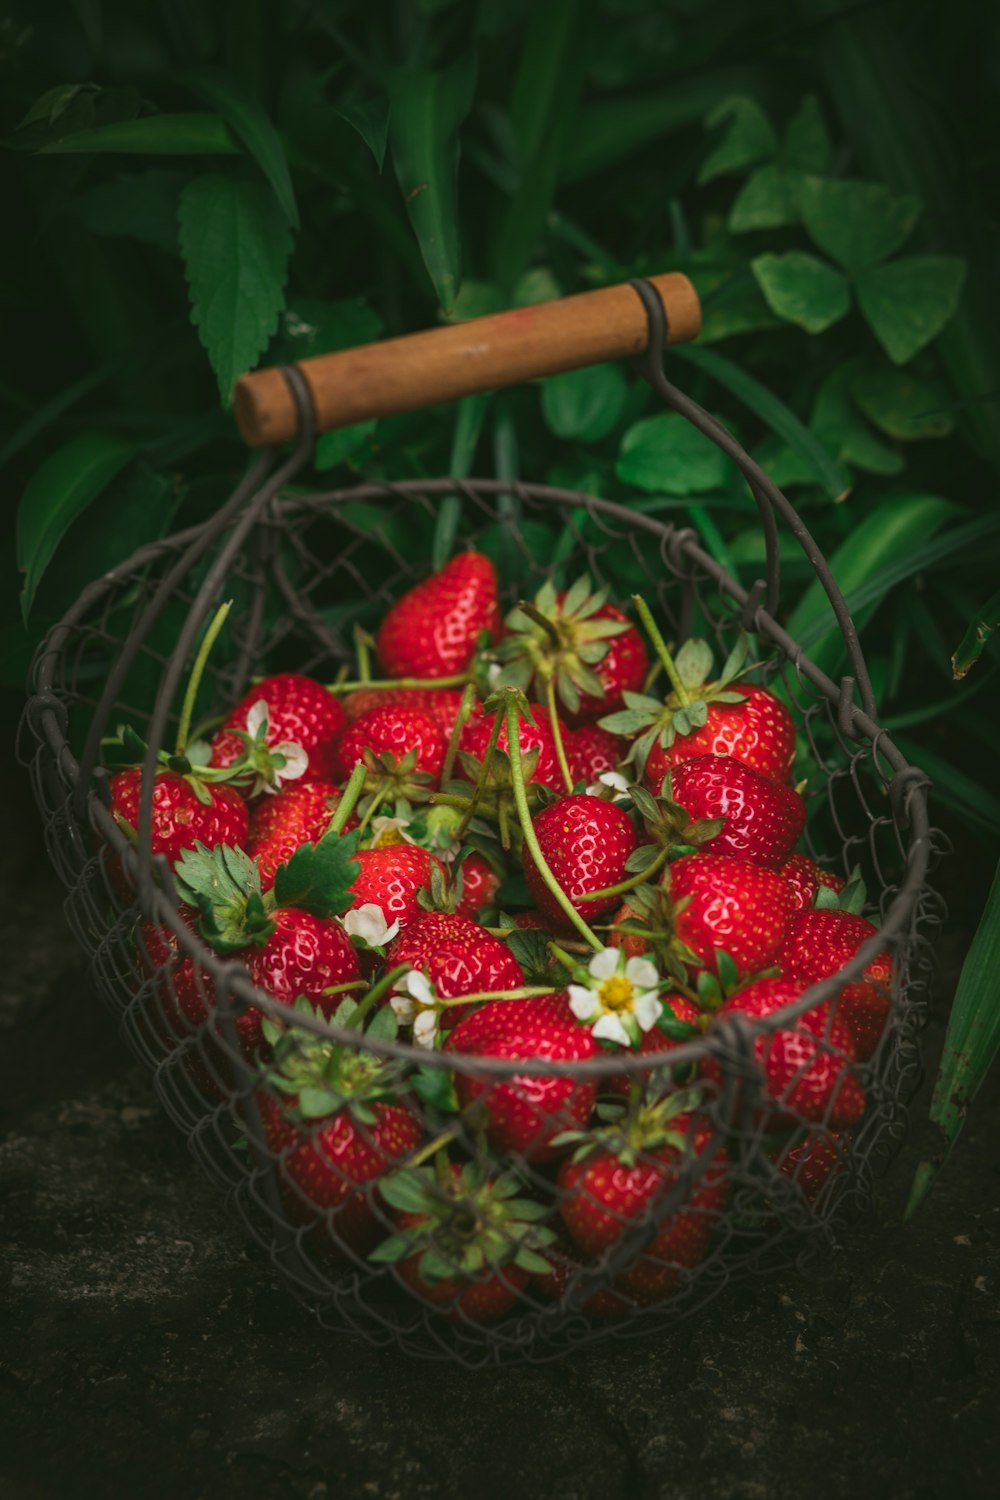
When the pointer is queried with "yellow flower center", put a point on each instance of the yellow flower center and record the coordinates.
(387, 838)
(616, 993)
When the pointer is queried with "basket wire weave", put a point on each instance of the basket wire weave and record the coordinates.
(301, 570)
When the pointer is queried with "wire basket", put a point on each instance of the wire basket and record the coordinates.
(304, 570)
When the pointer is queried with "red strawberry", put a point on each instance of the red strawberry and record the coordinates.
(304, 955)
(441, 703)
(567, 1267)
(631, 1171)
(730, 904)
(281, 824)
(819, 944)
(463, 1244)
(398, 731)
(391, 877)
(433, 629)
(812, 1162)
(180, 818)
(760, 732)
(459, 958)
(622, 670)
(300, 711)
(805, 877)
(763, 819)
(538, 736)
(677, 1008)
(591, 751)
(805, 1074)
(480, 883)
(525, 1113)
(585, 842)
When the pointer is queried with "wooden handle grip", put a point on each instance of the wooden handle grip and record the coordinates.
(459, 359)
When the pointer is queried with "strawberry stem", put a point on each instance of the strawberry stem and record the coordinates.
(361, 651)
(438, 1143)
(556, 727)
(378, 797)
(348, 799)
(464, 710)
(526, 992)
(535, 614)
(660, 647)
(629, 885)
(376, 993)
(197, 671)
(527, 828)
(458, 679)
(484, 775)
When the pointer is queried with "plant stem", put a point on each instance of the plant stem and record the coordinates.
(377, 991)
(378, 797)
(459, 679)
(526, 992)
(480, 786)
(629, 885)
(464, 710)
(554, 725)
(535, 614)
(348, 798)
(660, 647)
(527, 829)
(433, 1147)
(197, 671)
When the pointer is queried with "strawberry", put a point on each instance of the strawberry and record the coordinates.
(811, 1162)
(591, 751)
(459, 958)
(728, 903)
(624, 1176)
(475, 740)
(184, 814)
(336, 1127)
(442, 704)
(759, 731)
(480, 883)
(303, 955)
(300, 712)
(281, 824)
(586, 842)
(434, 629)
(575, 644)
(525, 1113)
(686, 1017)
(805, 877)
(464, 1244)
(406, 734)
(392, 878)
(567, 1269)
(819, 944)
(806, 1065)
(763, 819)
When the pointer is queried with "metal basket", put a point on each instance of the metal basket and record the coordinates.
(302, 570)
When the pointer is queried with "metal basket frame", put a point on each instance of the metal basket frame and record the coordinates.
(73, 794)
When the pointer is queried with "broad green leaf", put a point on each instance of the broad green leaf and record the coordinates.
(806, 145)
(825, 470)
(969, 537)
(975, 640)
(908, 301)
(477, 299)
(318, 877)
(666, 453)
(737, 306)
(858, 223)
(342, 445)
(311, 326)
(427, 110)
(139, 205)
(235, 242)
(537, 285)
(902, 404)
(883, 535)
(971, 1043)
(154, 135)
(837, 421)
(802, 289)
(48, 107)
(769, 199)
(68, 110)
(748, 138)
(67, 482)
(370, 119)
(249, 123)
(584, 404)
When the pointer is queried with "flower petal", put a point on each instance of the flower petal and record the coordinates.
(368, 922)
(610, 1029)
(647, 1009)
(613, 779)
(642, 973)
(419, 986)
(296, 762)
(604, 964)
(425, 1028)
(403, 1009)
(257, 716)
(582, 1002)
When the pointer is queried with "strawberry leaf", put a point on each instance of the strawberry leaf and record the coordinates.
(694, 662)
(318, 877)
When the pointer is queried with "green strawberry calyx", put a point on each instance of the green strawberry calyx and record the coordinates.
(646, 1124)
(555, 643)
(318, 1077)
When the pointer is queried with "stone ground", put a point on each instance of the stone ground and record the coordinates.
(148, 1351)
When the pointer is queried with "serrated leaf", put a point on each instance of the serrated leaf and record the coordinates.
(318, 877)
(749, 138)
(235, 242)
(250, 124)
(907, 302)
(370, 118)
(858, 223)
(694, 663)
(666, 454)
(802, 289)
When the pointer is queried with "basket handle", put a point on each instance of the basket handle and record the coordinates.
(460, 359)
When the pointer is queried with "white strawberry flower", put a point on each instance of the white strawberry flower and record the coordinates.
(296, 761)
(613, 779)
(492, 673)
(369, 922)
(416, 1004)
(388, 831)
(621, 998)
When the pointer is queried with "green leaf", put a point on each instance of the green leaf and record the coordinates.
(666, 453)
(139, 205)
(858, 223)
(370, 119)
(748, 138)
(802, 289)
(318, 877)
(235, 242)
(427, 109)
(249, 124)
(311, 326)
(977, 637)
(584, 404)
(909, 301)
(837, 422)
(154, 135)
(806, 145)
(477, 299)
(971, 1043)
(67, 482)
(825, 470)
(902, 404)
(769, 199)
